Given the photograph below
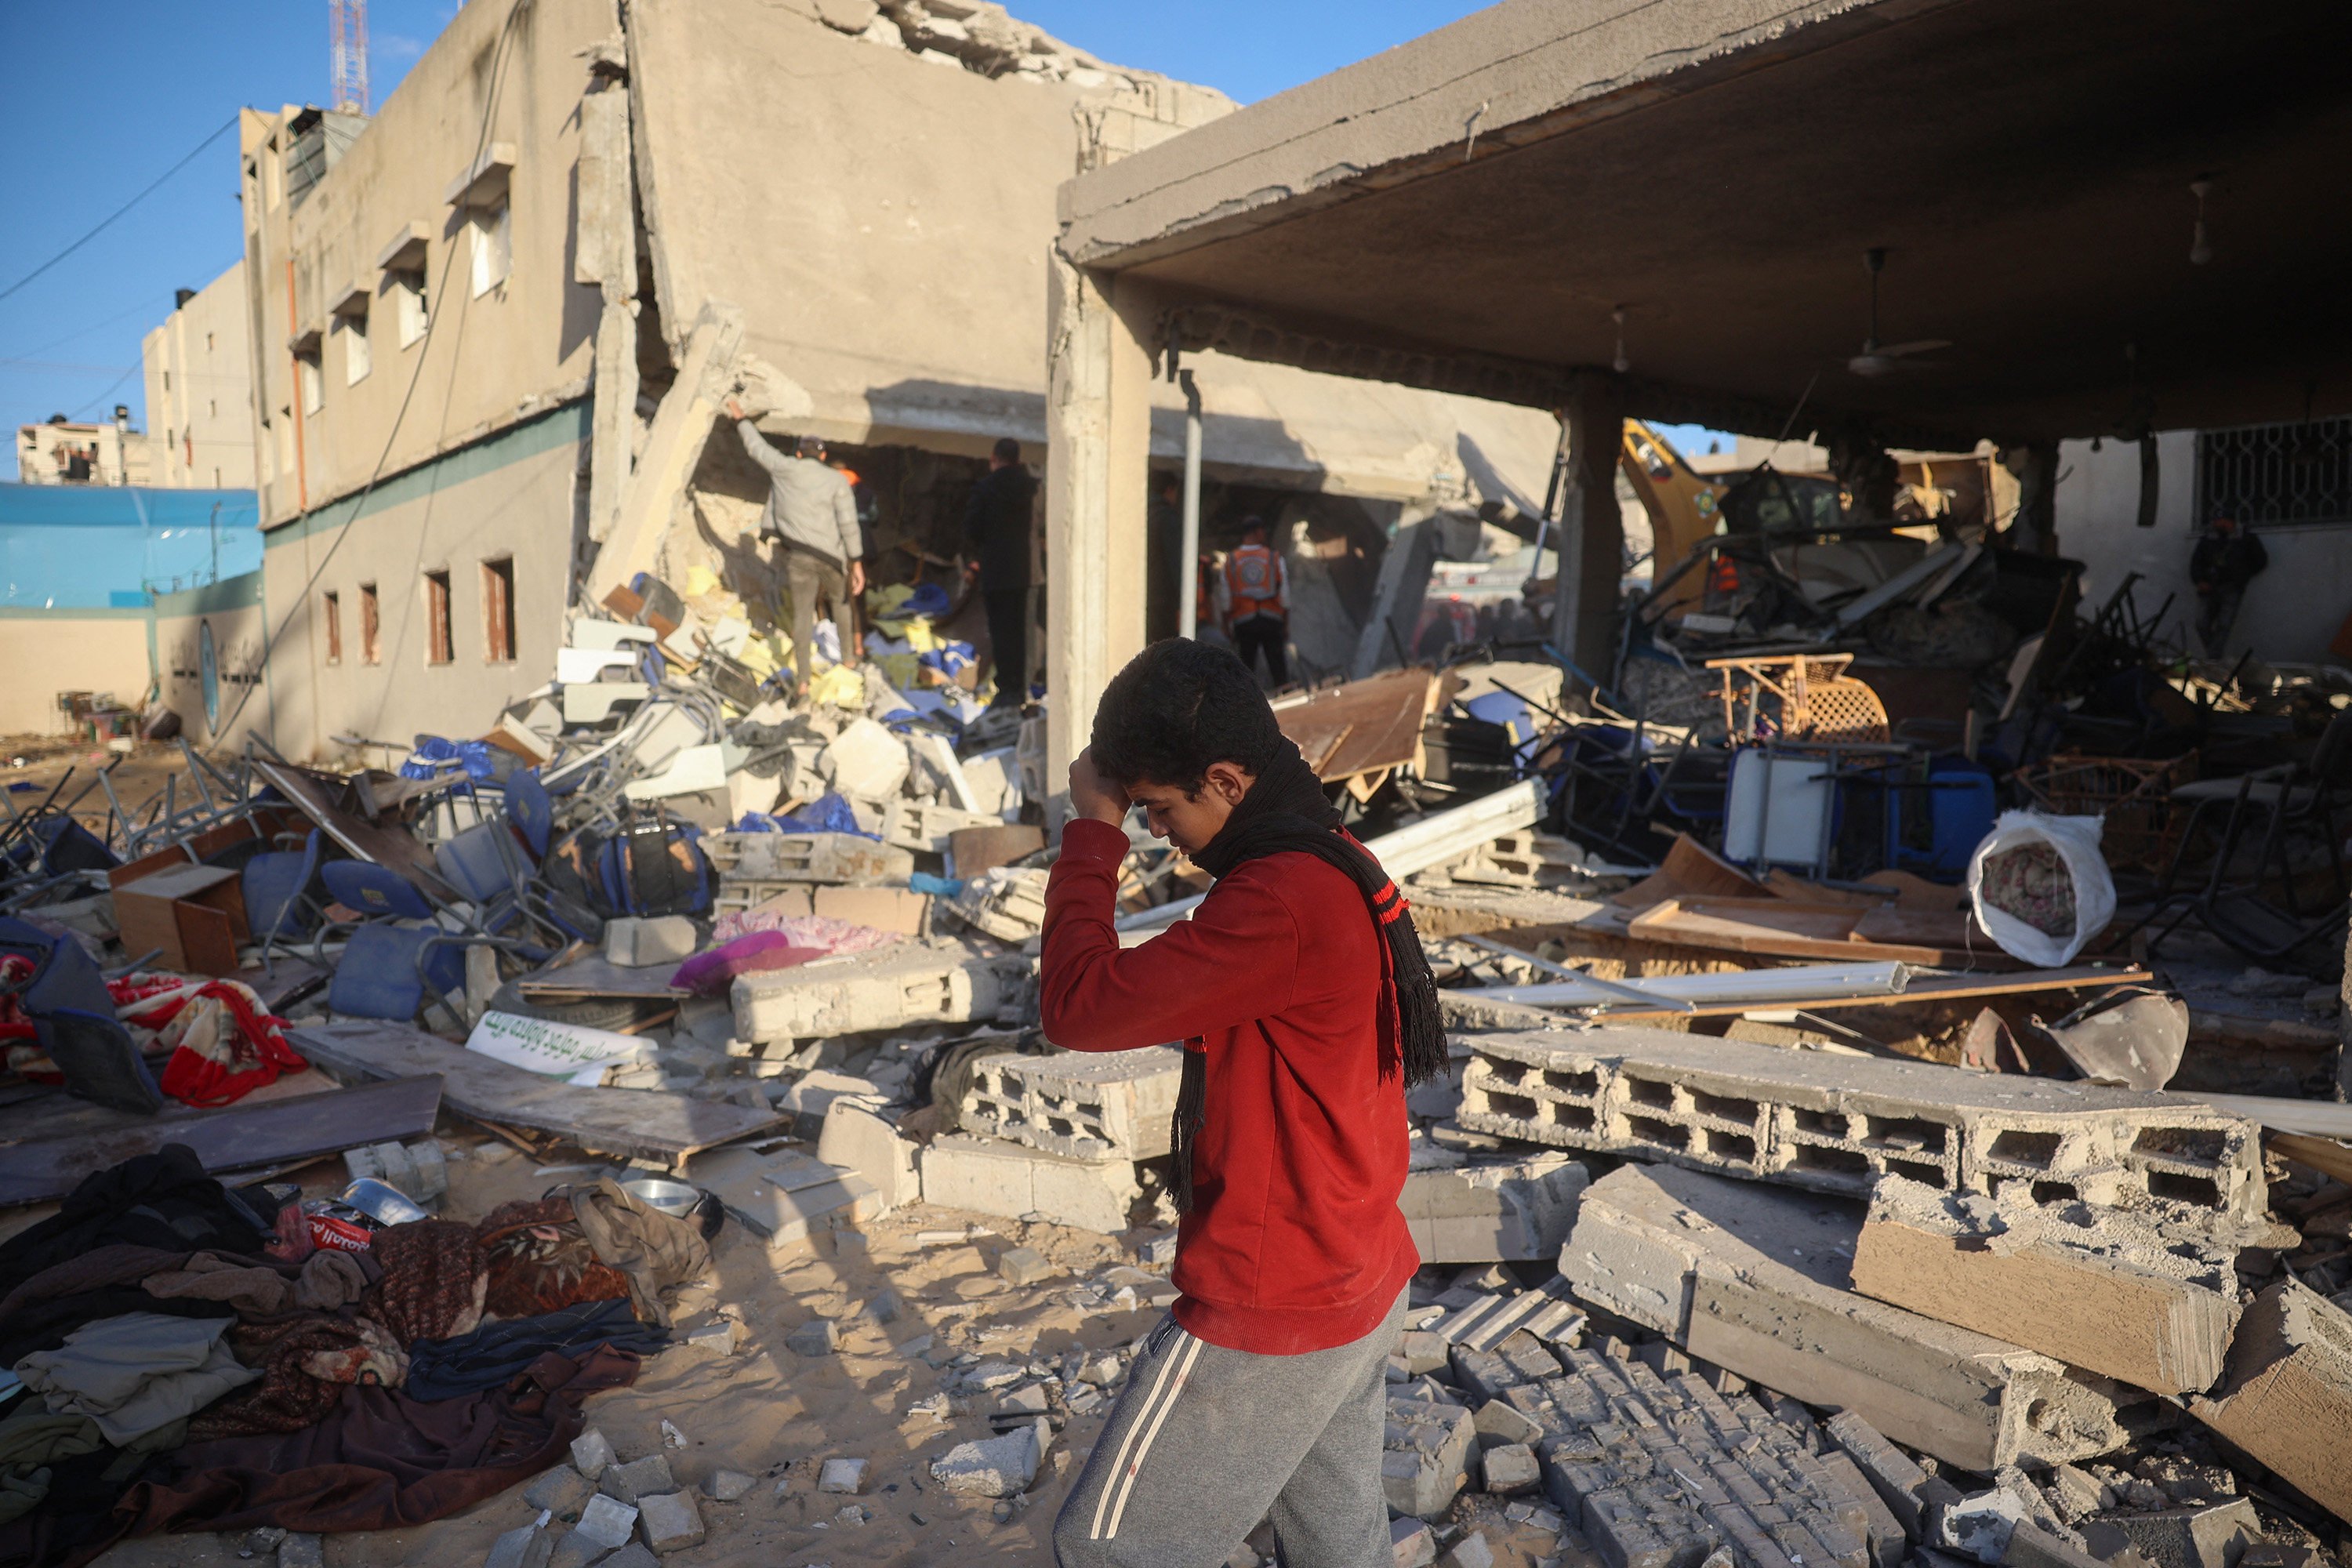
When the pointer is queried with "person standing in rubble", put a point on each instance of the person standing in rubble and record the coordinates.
(1306, 1008)
(1254, 602)
(997, 527)
(2224, 561)
(814, 517)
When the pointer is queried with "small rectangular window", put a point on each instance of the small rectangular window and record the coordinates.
(493, 247)
(331, 609)
(439, 647)
(208, 343)
(408, 300)
(306, 371)
(498, 611)
(167, 381)
(352, 329)
(371, 624)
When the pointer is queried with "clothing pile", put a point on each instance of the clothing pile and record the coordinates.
(184, 1355)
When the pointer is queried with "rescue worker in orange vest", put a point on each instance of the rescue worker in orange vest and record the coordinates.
(1254, 602)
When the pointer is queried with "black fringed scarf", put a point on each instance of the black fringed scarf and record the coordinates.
(1284, 811)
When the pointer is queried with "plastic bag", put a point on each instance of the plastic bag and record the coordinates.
(2039, 886)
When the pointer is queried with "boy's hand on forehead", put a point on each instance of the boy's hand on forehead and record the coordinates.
(1092, 794)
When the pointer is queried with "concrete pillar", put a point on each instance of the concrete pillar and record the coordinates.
(682, 427)
(605, 256)
(1592, 529)
(1099, 335)
(2035, 464)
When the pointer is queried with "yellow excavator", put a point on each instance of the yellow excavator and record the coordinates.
(1683, 505)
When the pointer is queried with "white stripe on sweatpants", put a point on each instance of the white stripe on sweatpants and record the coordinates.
(1102, 1504)
(1127, 1481)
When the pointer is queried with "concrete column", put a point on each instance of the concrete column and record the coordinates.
(1098, 442)
(605, 256)
(2035, 464)
(1592, 529)
(682, 427)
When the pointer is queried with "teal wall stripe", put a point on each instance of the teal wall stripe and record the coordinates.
(513, 444)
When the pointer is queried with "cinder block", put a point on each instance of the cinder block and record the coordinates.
(836, 858)
(1488, 1213)
(2131, 1295)
(1510, 1469)
(642, 942)
(1755, 1279)
(917, 983)
(784, 1197)
(669, 1523)
(633, 1482)
(2286, 1398)
(1906, 1490)
(1088, 1105)
(993, 1177)
(862, 1137)
(1487, 1374)
(526, 1547)
(1486, 1320)
(1836, 1124)
(1661, 1473)
(1425, 1457)
(1006, 902)
(2214, 1536)
(926, 828)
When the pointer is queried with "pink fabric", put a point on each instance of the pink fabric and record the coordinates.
(819, 931)
(707, 974)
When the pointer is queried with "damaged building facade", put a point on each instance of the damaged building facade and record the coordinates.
(494, 326)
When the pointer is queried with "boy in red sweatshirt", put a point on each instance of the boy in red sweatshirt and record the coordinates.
(1300, 991)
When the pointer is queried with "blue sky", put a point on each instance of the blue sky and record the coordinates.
(98, 103)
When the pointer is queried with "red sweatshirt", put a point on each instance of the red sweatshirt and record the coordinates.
(1295, 1242)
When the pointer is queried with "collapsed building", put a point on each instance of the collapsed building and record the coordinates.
(493, 327)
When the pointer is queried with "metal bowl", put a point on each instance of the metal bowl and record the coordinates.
(382, 1202)
(676, 1198)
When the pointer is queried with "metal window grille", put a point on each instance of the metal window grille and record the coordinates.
(2271, 476)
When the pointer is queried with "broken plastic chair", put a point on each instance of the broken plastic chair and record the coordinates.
(74, 1022)
(280, 902)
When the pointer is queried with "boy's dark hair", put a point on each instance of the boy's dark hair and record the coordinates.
(1008, 449)
(1178, 707)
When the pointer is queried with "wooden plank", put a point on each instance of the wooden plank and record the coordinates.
(1690, 868)
(2322, 1155)
(1922, 988)
(1380, 718)
(592, 974)
(651, 1122)
(1779, 929)
(238, 1137)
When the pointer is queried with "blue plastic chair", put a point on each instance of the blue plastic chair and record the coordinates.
(73, 1019)
(531, 811)
(390, 959)
(278, 886)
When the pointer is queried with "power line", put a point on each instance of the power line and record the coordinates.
(33, 356)
(226, 126)
(102, 397)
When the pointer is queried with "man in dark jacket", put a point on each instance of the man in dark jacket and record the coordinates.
(2224, 561)
(996, 528)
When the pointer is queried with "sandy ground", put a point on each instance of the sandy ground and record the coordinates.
(39, 761)
(776, 1416)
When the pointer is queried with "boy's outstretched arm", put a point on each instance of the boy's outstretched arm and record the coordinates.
(1236, 960)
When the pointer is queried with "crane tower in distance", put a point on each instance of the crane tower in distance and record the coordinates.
(348, 58)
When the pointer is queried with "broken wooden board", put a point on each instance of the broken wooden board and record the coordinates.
(1367, 726)
(1921, 988)
(654, 1123)
(1777, 928)
(595, 975)
(393, 849)
(1690, 870)
(236, 1137)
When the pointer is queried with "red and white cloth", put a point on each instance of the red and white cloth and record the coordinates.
(223, 1043)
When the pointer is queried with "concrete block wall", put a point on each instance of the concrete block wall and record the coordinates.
(1836, 1124)
(1088, 1105)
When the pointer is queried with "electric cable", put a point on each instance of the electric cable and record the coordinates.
(230, 124)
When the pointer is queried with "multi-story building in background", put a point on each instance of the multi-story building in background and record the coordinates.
(199, 373)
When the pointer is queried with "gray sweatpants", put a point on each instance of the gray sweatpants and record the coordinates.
(1206, 1441)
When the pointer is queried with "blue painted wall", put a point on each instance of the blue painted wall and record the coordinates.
(95, 547)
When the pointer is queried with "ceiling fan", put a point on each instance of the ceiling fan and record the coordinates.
(1878, 360)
